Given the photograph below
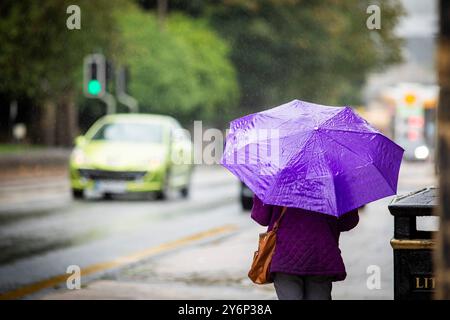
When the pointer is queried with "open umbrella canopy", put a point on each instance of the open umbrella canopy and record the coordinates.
(314, 157)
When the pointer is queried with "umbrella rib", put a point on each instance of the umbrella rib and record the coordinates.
(336, 129)
(350, 131)
(373, 164)
(332, 117)
(282, 123)
(363, 132)
(308, 141)
(359, 132)
(332, 176)
(269, 138)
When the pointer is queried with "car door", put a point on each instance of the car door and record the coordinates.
(181, 150)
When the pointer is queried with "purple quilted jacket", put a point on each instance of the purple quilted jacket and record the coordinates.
(307, 241)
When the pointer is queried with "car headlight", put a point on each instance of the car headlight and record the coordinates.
(155, 163)
(79, 157)
(421, 152)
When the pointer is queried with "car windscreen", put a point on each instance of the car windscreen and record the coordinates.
(130, 132)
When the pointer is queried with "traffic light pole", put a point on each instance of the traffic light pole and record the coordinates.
(129, 101)
(110, 101)
(121, 90)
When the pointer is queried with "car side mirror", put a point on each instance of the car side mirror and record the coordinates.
(80, 141)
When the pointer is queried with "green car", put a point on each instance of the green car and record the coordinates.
(129, 153)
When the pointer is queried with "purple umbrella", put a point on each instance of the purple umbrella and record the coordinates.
(314, 157)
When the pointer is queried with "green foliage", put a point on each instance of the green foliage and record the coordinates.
(182, 70)
(313, 50)
(39, 57)
(18, 148)
(205, 58)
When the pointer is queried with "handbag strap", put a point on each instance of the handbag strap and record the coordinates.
(277, 223)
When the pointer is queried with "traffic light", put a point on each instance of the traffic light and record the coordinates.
(94, 76)
(98, 72)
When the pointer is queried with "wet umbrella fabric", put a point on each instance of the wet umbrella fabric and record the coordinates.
(314, 157)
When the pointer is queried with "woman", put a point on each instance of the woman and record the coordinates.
(307, 258)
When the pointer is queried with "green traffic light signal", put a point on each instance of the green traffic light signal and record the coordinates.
(94, 87)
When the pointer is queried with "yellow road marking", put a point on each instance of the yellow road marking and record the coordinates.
(121, 261)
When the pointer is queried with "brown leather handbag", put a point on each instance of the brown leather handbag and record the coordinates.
(260, 270)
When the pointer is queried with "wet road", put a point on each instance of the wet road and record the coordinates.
(40, 244)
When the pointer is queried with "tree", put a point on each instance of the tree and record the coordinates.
(182, 70)
(312, 50)
(41, 59)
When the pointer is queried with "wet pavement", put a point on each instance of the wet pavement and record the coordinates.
(212, 266)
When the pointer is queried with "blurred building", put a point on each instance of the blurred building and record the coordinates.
(418, 28)
(401, 100)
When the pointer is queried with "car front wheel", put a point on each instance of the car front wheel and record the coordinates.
(185, 192)
(163, 193)
(77, 194)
